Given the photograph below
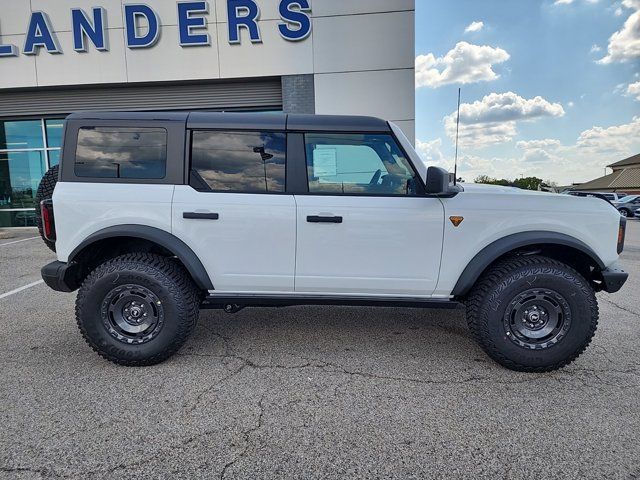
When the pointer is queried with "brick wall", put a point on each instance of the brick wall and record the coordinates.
(298, 94)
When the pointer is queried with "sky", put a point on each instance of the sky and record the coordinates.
(550, 88)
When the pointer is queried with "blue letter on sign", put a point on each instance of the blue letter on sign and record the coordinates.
(243, 13)
(296, 17)
(8, 50)
(131, 14)
(40, 34)
(83, 29)
(187, 23)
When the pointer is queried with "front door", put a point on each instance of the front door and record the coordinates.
(365, 228)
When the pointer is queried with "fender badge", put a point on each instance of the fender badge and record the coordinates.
(456, 221)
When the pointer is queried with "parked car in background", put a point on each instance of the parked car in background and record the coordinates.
(637, 213)
(613, 196)
(628, 205)
(601, 196)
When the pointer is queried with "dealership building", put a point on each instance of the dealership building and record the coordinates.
(294, 56)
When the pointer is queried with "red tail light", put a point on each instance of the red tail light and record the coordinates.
(48, 223)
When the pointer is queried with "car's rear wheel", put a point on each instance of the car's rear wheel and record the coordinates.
(45, 192)
(137, 309)
(625, 213)
(532, 313)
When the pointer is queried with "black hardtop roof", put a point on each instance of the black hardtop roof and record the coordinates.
(249, 120)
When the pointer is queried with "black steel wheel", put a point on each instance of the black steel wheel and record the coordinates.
(137, 309)
(532, 313)
(132, 314)
(537, 318)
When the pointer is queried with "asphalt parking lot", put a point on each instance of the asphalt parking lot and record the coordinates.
(309, 392)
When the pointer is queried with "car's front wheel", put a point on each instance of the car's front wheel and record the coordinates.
(625, 213)
(137, 309)
(532, 313)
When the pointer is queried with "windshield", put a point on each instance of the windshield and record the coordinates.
(628, 198)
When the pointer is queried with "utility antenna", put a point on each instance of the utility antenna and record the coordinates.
(455, 167)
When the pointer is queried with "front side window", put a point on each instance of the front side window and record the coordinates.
(121, 152)
(358, 164)
(243, 162)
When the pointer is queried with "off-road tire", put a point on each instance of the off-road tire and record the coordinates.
(490, 298)
(171, 285)
(45, 192)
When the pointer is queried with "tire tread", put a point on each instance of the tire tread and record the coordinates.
(166, 270)
(494, 276)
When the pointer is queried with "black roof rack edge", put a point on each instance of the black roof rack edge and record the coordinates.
(249, 120)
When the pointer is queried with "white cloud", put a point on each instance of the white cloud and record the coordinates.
(569, 2)
(624, 45)
(615, 140)
(494, 119)
(474, 27)
(430, 151)
(595, 48)
(469, 166)
(504, 107)
(634, 89)
(547, 143)
(466, 63)
(547, 158)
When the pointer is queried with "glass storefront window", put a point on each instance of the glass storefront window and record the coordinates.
(20, 135)
(54, 133)
(54, 157)
(20, 174)
(27, 149)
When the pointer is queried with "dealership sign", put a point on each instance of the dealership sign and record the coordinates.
(142, 26)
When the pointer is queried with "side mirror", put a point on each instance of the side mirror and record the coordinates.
(437, 181)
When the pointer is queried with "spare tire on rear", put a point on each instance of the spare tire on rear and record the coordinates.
(45, 192)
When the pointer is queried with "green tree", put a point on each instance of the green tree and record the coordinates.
(528, 183)
(487, 180)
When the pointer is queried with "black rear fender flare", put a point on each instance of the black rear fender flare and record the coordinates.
(160, 237)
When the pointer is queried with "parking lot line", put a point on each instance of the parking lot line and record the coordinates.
(18, 241)
(20, 289)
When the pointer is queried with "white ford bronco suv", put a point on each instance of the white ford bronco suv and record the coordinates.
(156, 215)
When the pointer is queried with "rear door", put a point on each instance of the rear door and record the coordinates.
(235, 214)
(365, 227)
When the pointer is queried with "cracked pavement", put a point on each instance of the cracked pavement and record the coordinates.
(310, 392)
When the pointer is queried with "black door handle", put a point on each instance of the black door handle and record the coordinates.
(200, 216)
(318, 219)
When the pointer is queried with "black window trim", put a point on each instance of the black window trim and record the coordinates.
(166, 153)
(420, 187)
(189, 170)
(174, 172)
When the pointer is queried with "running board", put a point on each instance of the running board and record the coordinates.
(223, 301)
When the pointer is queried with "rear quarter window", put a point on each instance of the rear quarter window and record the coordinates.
(121, 152)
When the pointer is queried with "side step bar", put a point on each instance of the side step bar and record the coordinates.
(237, 302)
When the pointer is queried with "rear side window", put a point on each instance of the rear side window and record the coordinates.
(242, 162)
(121, 152)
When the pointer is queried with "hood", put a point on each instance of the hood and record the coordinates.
(592, 204)
(481, 188)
